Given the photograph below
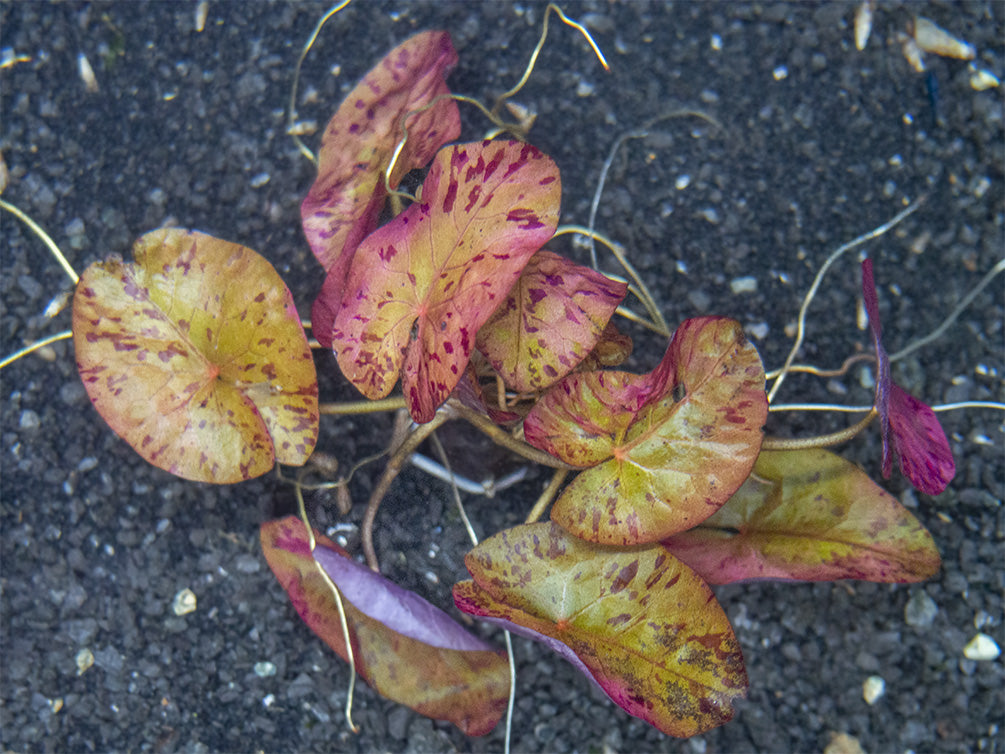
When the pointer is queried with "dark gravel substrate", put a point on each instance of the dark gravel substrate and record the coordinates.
(819, 143)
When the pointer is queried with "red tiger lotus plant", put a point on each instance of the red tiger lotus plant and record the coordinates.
(208, 374)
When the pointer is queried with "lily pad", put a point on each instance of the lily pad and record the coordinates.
(637, 621)
(553, 317)
(194, 355)
(343, 205)
(809, 515)
(664, 450)
(420, 287)
(405, 648)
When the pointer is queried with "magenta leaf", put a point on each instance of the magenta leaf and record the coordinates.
(908, 424)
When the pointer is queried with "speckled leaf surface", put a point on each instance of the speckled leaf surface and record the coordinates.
(639, 622)
(809, 515)
(405, 648)
(552, 318)
(343, 205)
(664, 450)
(194, 355)
(420, 287)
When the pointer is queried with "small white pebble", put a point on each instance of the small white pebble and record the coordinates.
(260, 180)
(982, 648)
(184, 602)
(584, 89)
(84, 660)
(873, 688)
(757, 330)
(781, 72)
(682, 182)
(265, 669)
(743, 285)
(715, 42)
(981, 80)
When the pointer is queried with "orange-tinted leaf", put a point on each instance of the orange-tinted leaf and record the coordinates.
(667, 448)
(552, 318)
(420, 287)
(194, 354)
(809, 515)
(636, 620)
(343, 205)
(406, 649)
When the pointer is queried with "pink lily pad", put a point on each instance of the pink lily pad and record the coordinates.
(420, 287)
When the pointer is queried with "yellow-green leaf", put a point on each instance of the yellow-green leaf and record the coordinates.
(636, 620)
(664, 450)
(809, 515)
(194, 354)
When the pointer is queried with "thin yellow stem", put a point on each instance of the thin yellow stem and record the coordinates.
(499, 436)
(65, 335)
(547, 496)
(821, 441)
(392, 403)
(350, 657)
(537, 51)
(291, 113)
(46, 239)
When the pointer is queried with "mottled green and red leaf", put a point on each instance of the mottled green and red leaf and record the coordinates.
(809, 515)
(552, 318)
(194, 355)
(405, 648)
(344, 204)
(637, 621)
(663, 450)
(420, 287)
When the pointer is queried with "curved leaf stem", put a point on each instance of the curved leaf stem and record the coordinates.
(65, 335)
(818, 372)
(350, 657)
(291, 112)
(967, 300)
(393, 403)
(500, 437)
(547, 496)
(821, 441)
(45, 237)
(394, 465)
(854, 243)
(537, 51)
(619, 253)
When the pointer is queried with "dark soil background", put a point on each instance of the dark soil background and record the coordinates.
(819, 143)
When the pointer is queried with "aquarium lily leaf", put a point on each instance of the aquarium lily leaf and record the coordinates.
(343, 205)
(808, 515)
(420, 287)
(917, 437)
(663, 450)
(637, 621)
(552, 318)
(405, 648)
(194, 354)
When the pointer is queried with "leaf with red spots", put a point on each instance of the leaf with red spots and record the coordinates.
(809, 515)
(664, 450)
(345, 201)
(555, 314)
(637, 621)
(420, 287)
(194, 355)
(407, 649)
